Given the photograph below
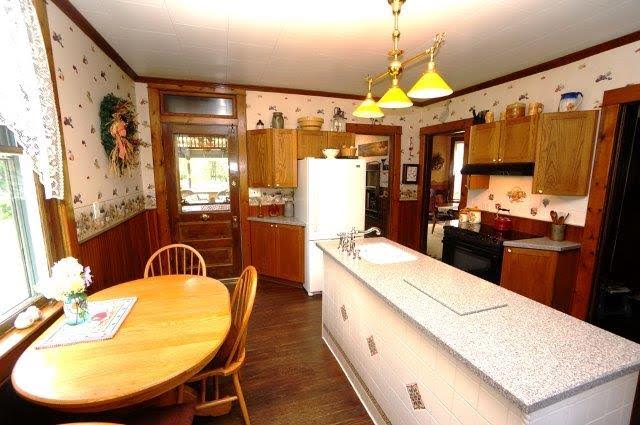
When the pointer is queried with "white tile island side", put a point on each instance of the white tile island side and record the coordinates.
(412, 359)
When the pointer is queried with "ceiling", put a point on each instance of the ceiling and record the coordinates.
(331, 45)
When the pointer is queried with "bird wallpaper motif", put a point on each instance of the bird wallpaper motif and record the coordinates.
(85, 75)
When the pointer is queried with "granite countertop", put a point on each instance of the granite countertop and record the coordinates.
(280, 219)
(531, 353)
(544, 244)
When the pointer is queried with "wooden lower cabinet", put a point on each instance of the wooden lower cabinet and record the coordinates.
(544, 276)
(277, 251)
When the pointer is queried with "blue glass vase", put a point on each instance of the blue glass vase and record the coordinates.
(76, 309)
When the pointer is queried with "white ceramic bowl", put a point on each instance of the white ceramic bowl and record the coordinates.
(330, 153)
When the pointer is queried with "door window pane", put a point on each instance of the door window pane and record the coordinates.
(203, 169)
(458, 155)
(196, 105)
(22, 253)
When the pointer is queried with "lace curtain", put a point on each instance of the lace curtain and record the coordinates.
(27, 105)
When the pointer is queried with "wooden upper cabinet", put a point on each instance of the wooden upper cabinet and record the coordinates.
(263, 248)
(290, 252)
(311, 143)
(337, 139)
(518, 140)
(285, 158)
(272, 158)
(565, 144)
(259, 158)
(484, 143)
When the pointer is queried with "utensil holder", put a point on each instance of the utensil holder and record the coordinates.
(557, 232)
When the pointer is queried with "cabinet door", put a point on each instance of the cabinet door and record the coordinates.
(477, 182)
(529, 272)
(290, 252)
(311, 143)
(263, 241)
(484, 143)
(285, 158)
(563, 159)
(337, 139)
(518, 140)
(259, 158)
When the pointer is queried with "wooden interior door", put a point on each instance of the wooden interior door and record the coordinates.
(202, 193)
(484, 143)
(518, 140)
(260, 158)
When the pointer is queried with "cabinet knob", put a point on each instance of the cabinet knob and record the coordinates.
(539, 190)
(204, 217)
(276, 225)
(268, 185)
(277, 184)
(494, 160)
(271, 225)
(508, 249)
(499, 159)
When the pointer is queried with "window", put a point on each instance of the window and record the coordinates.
(198, 105)
(458, 156)
(23, 258)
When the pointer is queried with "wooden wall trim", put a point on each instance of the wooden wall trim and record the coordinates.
(245, 230)
(82, 23)
(395, 141)
(627, 94)
(545, 66)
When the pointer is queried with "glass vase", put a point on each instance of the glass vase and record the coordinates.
(76, 309)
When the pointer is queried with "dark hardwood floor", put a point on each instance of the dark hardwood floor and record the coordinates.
(290, 376)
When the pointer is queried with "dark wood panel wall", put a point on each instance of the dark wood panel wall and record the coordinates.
(120, 254)
(409, 224)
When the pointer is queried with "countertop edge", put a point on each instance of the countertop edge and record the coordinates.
(543, 243)
(526, 408)
(291, 221)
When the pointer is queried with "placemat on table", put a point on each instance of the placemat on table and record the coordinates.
(106, 317)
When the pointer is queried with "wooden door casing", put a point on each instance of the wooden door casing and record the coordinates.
(260, 158)
(215, 234)
(565, 145)
(484, 143)
(285, 158)
(290, 252)
(311, 143)
(518, 140)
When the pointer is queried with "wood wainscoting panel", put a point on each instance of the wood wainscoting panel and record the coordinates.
(119, 254)
(408, 224)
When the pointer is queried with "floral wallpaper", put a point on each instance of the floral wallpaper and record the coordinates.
(146, 154)
(261, 105)
(84, 76)
(591, 76)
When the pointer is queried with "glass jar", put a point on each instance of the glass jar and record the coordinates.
(277, 120)
(76, 309)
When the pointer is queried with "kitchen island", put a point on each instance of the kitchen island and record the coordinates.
(423, 342)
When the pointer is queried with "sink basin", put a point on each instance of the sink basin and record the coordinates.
(384, 253)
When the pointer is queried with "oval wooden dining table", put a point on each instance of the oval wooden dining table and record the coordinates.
(174, 329)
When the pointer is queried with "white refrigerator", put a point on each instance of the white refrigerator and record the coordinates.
(329, 199)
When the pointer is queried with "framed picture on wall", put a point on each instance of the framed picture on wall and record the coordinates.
(410, 173)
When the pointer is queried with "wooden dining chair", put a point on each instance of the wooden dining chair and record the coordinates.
(231, 355)
(175, 259)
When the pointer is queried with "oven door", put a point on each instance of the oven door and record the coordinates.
(481, 261)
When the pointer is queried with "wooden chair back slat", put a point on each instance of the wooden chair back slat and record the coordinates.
(168, 261)
(242, 301)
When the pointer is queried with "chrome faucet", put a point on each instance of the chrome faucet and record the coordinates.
(347, 241)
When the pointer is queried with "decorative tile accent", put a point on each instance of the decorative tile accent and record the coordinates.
(416, 398)
(343, 311)
(379, 409)
(372, 346)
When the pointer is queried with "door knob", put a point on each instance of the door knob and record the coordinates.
(235, 221)
(233, 183)
(204, 217)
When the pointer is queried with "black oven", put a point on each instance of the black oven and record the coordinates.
(484, 261)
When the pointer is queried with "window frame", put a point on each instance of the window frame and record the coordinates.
(12, 153)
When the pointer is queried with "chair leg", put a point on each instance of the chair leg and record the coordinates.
(243, 405)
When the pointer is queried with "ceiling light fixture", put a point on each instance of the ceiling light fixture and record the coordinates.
(429, 86)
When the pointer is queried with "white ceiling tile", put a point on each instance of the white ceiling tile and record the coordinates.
(291, 43)
(201, 37)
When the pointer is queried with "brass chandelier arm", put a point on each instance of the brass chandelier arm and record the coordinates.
(431, 52)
